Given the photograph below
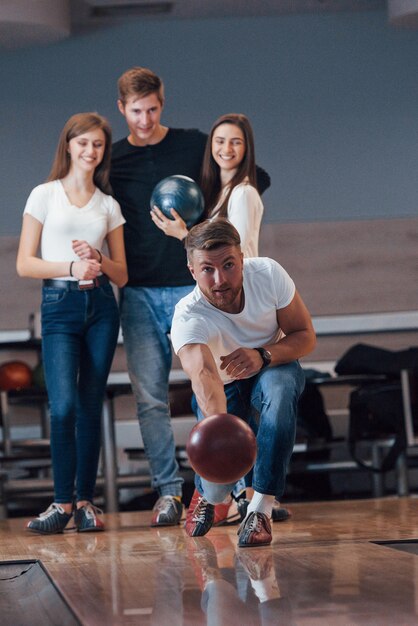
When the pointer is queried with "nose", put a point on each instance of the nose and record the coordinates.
(219, 277)
(144, 118)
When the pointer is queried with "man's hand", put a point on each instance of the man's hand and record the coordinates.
(242, 363)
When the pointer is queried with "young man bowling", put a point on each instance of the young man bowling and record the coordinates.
(239, 335)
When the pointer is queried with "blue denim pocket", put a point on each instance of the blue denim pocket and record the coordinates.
(51, 295)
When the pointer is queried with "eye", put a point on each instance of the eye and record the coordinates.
(229, 265)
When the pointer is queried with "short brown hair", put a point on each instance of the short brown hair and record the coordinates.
(140, 81)
(77, 125)
(210, 235)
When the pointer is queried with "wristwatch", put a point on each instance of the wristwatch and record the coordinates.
(265, 355)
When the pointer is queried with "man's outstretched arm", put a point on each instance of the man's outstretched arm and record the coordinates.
(199, 364)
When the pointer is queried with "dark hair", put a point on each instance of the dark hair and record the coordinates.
(210, 235)
(141, 82)
(78, 125)
(210, 175)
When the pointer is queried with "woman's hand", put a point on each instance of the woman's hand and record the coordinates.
(86, 269)
(84, 250)
(172, 227)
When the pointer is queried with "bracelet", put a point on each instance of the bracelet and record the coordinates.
(71, 268)
(100, 255)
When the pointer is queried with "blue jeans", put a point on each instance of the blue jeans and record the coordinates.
(79, 335)
(273, 393)
(146, 315)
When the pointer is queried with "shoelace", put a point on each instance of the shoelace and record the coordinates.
(165, 504)
(50, 511)
(255, 522)
(200, 511)
(92, 511)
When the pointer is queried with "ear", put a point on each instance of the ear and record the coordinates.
(121, 107)
(191, 270)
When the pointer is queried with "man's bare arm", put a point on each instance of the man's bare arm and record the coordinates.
(199, 364)
(295, 321)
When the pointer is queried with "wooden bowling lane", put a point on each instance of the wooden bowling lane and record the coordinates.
(323, 569)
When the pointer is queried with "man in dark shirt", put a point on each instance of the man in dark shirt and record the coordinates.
(157, 268)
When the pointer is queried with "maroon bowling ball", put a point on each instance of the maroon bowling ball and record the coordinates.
(221, 448)
(15, 375)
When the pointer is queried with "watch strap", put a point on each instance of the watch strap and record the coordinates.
(265, 355)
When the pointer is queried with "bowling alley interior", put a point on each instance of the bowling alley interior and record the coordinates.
(330, 91)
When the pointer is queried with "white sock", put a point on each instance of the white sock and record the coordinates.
(261, 503)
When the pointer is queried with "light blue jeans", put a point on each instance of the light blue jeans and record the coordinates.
(146, 315)
(273, 393)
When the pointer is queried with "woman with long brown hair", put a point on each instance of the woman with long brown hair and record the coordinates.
(228, 182)
(71, 217)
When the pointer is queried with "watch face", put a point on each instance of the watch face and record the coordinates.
(265, 355)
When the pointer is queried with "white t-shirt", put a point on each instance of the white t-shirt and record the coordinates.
(267, 288)
(62, 221)
(245, 211)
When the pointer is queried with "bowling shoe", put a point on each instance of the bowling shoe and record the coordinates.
(51, 521)
(221, 513)
(199, 519)
(254, 531)
(86, 518)
(167, 511)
